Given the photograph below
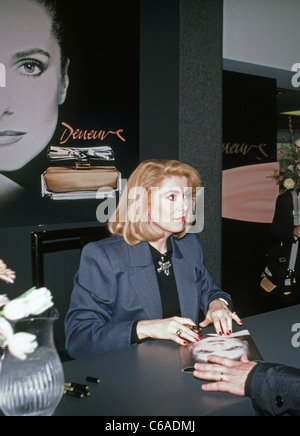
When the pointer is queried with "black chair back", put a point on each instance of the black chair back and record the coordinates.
(55, 261)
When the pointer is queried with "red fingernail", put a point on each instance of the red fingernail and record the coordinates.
(220, 334)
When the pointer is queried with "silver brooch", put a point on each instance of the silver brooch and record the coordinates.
(164, 266)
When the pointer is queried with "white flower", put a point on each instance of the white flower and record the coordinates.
(3, 300)
(35, 302)
(289, 184)
(6, 331)
(39, 301)
(21, 344)
(16, 309)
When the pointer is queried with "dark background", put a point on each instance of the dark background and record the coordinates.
(250, 117)
(102, 43)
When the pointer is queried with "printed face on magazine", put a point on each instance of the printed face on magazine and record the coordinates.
(232, 348)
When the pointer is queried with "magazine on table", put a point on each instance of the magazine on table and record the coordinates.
(232, 347)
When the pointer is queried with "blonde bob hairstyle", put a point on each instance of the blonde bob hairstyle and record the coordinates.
(130, 220)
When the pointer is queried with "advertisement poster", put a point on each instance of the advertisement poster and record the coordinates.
(249, 193)
(69, 107)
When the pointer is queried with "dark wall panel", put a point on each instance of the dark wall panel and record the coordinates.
(200, 133)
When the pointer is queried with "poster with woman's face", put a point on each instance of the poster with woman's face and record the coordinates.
(69, 107)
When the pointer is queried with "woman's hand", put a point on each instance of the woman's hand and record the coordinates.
(220, 315)
(173, 329)
(229, 376)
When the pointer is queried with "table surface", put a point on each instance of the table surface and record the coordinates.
(146, 380)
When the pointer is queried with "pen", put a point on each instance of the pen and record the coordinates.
(80, 387)
(93, 379)
(73, 387)
(194, 328)
(76, 394)
(79, 390)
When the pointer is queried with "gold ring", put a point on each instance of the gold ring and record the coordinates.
(179, 333)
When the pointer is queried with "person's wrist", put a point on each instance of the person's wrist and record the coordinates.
(248, 382)
(218, 303)
(223, 301)
(142, 330)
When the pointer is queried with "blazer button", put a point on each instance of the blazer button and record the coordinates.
(279, 401)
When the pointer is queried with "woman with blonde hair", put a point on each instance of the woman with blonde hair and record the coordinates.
(148, 281)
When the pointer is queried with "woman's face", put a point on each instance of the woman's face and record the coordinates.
(170, 204)
(35, 83)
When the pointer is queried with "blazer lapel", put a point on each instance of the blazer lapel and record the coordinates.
(184, 270)
(144, 281)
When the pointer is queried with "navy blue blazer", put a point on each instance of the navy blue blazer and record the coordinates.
(275, 390)
(117, 285)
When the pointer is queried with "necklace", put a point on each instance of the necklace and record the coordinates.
(164, 265)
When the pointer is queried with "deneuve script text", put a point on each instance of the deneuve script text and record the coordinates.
(88, 135)
(243, 149)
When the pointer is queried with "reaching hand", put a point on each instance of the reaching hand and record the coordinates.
(229, 375)
(220, 315)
